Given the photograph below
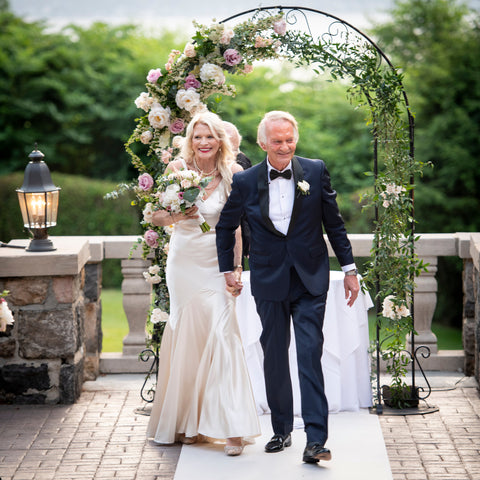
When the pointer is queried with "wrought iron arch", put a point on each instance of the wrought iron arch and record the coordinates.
(336, 28)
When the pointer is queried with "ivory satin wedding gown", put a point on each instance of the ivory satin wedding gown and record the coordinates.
(203, 386)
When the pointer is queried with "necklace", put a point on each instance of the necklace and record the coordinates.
(202, 173)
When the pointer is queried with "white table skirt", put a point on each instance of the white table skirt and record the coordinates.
(345, 359)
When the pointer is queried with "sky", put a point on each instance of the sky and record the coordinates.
(180, 13)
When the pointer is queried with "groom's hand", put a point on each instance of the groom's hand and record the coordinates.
(352, 288)
(234, 285)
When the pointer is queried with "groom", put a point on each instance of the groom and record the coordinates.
(286, 199)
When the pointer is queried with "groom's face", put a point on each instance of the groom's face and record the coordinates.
(280, 143)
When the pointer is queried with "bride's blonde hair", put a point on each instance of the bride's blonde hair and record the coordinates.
(225, 155)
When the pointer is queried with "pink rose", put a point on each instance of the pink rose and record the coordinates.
(191, 82)
(280, 27)
(151, 238)
(248, 68)
(232, 57)
(177, 126)
(166, 155)
(154, 75)
(145, 181)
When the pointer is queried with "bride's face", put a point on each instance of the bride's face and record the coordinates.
(205, 146)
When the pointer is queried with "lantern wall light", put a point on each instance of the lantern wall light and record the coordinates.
(38, 198)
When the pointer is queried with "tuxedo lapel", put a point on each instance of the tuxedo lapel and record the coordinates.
(263, 197)
(297, 177)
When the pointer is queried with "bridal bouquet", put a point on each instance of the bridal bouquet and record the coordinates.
(179, 190)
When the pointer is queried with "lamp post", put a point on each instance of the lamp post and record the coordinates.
(38, 198)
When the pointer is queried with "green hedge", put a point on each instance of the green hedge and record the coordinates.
(82, 211)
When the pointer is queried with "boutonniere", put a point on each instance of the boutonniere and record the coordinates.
(303, 187)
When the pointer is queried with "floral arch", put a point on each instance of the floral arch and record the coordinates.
(193, 79)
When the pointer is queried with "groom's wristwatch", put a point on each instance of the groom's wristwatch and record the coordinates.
(352, 272)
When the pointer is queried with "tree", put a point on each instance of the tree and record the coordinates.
(437, 42)
(72, 92)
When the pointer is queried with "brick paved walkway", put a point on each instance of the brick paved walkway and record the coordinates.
(439, 446)
(101, 437)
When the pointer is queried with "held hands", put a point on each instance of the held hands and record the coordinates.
(352, 288)
(233, 281)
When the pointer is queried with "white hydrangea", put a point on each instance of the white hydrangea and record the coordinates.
(209, 71)
(187, 99)
(159, 117)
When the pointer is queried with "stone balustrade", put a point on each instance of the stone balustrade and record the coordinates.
(56, 300)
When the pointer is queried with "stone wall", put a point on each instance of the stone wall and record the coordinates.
(42, 352)
(55, 300)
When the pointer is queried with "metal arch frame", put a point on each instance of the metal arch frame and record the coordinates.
(291, 10)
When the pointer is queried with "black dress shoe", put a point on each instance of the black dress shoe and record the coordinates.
(278, 443)
(315, 452)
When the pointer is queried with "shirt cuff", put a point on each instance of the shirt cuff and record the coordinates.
(347, 268)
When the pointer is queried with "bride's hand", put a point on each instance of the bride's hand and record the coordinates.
(234, 286)
(190, 212)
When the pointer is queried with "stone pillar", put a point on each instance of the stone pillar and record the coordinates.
(476, 289)
(136, 303)
(468, 331)
(93, 319)
(425, 301)
(42, 355)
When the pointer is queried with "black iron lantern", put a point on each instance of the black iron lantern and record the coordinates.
(38, 198)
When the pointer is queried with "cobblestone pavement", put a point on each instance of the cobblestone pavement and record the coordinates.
(102, 436)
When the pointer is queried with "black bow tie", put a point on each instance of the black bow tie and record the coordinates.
(285, 174)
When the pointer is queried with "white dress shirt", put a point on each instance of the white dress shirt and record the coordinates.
(281, 195)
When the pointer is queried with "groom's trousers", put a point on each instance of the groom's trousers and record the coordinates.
(307, 312)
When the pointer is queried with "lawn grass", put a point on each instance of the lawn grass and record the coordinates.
(448, 338)
(114, 321)
(115, 325)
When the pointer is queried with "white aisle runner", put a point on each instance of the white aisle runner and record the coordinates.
(355, 439)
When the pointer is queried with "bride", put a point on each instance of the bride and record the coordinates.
(203, 391)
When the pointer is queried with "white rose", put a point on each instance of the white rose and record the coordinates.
(148, 213)
(304, 186)
(200, 108)
(144, 101)
(187, 99)
(159, 117)
(209, 71)
(6, 317)
(154, 269)
(146, 137)
(189, 50)
(158, 315)
(177, 141)
(227, 35)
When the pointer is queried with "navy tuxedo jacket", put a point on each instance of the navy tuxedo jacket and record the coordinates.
(272, 253)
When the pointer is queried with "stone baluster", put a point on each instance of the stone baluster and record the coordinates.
(425, 300)
(136, 303)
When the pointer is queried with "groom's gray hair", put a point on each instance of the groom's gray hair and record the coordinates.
(270, 117)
